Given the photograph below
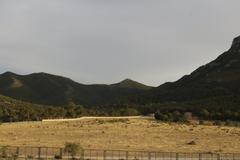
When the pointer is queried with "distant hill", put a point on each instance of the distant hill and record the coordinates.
(220, 77)
(128, 83)
(43, 88)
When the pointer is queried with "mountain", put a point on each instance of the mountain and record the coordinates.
(128, 83)
(43, 88)
(210, 92)
(221, 77)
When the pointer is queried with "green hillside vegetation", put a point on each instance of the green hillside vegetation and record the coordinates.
(43, 88)
(223, 108)
(12, 110)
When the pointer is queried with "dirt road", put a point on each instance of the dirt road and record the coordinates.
(84, 118)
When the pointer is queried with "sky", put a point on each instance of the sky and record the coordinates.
(106, 41)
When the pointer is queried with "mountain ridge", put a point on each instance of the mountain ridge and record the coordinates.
(129, 83)
(45, 88)
(219, 77)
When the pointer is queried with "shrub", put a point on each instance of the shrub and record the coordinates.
(160, 116)
(176, 116)
(232, 123)
(201, 122)
(218, 123)
(204, 113)
(3, 152)
(14, 156)
(72, 149)
(191, 143)
(57, 157)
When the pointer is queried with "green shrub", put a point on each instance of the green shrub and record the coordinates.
(160, 116)
(57, 157)
(204, 113)
(218, 123)
(232, 123)
(3, 152)
(72, 149)
(176, 116)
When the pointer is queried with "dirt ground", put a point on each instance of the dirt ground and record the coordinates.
(127, 134)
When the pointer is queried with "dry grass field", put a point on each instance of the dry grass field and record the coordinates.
(130, 134)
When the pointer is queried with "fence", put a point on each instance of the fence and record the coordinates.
(47, 153)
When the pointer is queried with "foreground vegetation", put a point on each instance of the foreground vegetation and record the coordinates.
(14, 110)
(214, 109)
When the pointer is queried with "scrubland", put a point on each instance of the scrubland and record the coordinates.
(126, 134)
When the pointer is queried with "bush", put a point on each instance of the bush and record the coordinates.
(57, 157)
(14, 156)
(3, 152)
(72, 149)
(218, 123)
(191, 143)
(201, 122)
(160, 116)
(179, 117)
(176, 116)
(129, 112)
(204, 113)
(232, 123)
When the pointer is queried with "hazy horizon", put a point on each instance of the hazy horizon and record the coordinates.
(104, 42)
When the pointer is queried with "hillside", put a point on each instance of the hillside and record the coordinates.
(12, 110)
(220, 77)
(128, 83)
(43, 88)
(15, 110)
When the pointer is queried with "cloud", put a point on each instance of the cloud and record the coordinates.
(106, 41)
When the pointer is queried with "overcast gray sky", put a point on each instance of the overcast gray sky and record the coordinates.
(105, 41)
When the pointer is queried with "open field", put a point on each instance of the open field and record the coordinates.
(128, 134)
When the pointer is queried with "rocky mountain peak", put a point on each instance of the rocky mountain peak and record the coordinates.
(236, 44)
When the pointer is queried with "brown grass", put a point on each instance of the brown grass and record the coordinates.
(132, 134)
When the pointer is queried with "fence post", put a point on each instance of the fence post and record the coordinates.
(177, 156)
(126, 155)
(149, 155)
(17, 151)
(39, 152)
(104, 155)
(218, 157)
(82, 154)
(200, 156)
(61, 152)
